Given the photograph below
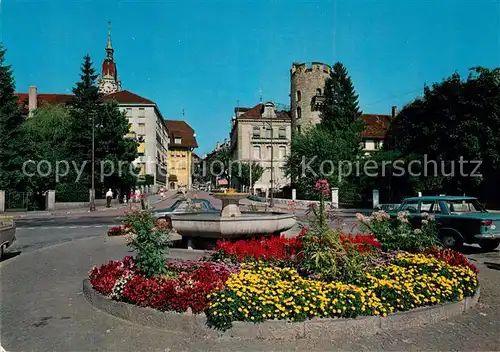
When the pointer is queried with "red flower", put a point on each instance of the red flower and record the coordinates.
(267, 249)
(103, 278)
(362, 243)
(452, 258)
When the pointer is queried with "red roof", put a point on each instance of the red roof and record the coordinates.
(181, 129)
(257, 110)
(126, 97)
(22, 99)
(376, 126)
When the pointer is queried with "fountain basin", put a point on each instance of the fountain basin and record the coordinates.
(248, 224)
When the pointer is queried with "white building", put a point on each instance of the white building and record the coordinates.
(259, 133)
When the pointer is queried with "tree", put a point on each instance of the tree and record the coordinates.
(48, 137)
(316, 155)
(241, 171)
(455, 120)
(340, 114)
(85, 108)
(114, 152)
(12, 145)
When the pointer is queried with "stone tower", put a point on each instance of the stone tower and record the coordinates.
(306, 94)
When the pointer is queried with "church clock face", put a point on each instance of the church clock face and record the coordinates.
(108, 87)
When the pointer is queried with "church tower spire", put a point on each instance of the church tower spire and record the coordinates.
(109, 47)
(108, 81)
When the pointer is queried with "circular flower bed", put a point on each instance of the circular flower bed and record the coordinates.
(321, 273)
(266, 283)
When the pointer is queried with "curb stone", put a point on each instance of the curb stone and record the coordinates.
(318, 328)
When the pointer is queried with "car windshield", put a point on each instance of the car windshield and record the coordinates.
(464, 206)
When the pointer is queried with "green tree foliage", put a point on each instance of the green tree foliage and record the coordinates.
(112, 152)
(241, 171)
(340, 114)
(454, 119)
(12, 145)
(315, 154)
(48, 137)
(217, 163)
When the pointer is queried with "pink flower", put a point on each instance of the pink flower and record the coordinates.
(323, 187)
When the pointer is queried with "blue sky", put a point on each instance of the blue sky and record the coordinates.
(204, 56)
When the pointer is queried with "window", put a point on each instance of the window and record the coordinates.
(318, 91)
(141, 113)
(299, 95)
(178, 140)
(256, 152)
(378, 144)
(142, 128)
(298, 129)
(256, 132)
(430, 207)
(269, 151)
(282, 153)
(282, 132)
(128, 112)
(269, 132)
(410, 206)
(299, 112)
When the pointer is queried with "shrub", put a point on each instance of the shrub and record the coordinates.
(150, 239)
(398, 234)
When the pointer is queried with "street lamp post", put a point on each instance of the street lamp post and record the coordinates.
(271, 204)
(92, 192)
(250, 166)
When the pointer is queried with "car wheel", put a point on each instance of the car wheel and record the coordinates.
(489, 245)
(451, 240)
(169, 222)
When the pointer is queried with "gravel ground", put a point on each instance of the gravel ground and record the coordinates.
(43, 309)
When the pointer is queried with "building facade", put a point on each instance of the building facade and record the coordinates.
(182, 142)
(262, 134)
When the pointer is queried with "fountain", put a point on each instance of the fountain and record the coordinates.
(231, 223)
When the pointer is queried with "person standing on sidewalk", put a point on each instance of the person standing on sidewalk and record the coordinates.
(109, 196)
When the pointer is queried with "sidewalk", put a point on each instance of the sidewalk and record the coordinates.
(117, 210)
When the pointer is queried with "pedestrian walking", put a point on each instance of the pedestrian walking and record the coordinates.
(109, 196)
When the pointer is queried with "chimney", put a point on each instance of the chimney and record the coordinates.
(269, 111)
(394, 111)
(32, 100)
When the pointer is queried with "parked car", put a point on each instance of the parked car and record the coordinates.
(7, 233)
(183, 206)
(459, 220)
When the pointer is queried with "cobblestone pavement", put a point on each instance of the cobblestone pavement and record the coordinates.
(43, 309)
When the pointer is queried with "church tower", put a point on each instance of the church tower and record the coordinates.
(108, 81)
